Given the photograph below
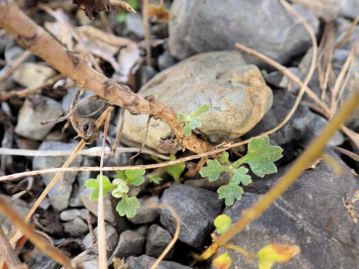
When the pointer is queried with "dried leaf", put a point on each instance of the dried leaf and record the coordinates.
(160, 13)
(276, 253)
(223, 261)
(93, 7)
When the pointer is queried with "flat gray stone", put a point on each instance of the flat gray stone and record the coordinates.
(350, 8)
(130, 243)
(60, 194)
(76, 227)
(71, 214)
(111, 238)
(157, 240)
(146, 213)
(202, 25)
(32, 75)
(196, 209)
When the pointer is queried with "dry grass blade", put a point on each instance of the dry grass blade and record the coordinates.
(7, 253)
(348, 153)
(12, 66)
(146, 26)
(348, 34)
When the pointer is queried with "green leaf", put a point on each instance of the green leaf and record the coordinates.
(121, 17)
(224, 158)
(230, 193)
(212, 170)
(121, 188)
(194, 123)
(135, 177)
(154, 178)
(187, 131)
(222, 223)
(94, 184)
(200, 110)
(133, 3)
(240, 176)
(175, 170)
(276, 253)
(261, 156)
(182, 117)
(121, 174)
(128, 206)
(223, 261)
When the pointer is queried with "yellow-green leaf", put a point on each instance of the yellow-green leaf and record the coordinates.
(276, 253)
(222, 223)
(223, 261)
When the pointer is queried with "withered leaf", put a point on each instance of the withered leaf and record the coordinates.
(93, 7)
(160, 13)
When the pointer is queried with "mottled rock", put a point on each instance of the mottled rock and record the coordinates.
(196, 209)
(130, 243)
(310, 214)
(157, 240)
(76, 227)
(146, 213)
(35, 110)
(235, 90)
(263, 25)
(111, 238)
(60, 194)
(145, 262)
(32, 75)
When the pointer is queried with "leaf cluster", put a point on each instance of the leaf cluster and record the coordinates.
(192, 121)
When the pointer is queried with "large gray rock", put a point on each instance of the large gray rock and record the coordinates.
(310, 214)
(196, 209)
(263, 25)
(351, 8)
(130, 244)
(60, 194)
(147, 212)
(32, 75)
(235, 90)
(35, 110)
(145, 262)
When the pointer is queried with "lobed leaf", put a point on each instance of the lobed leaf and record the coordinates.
(94, 184)
(128, 206)
(201, 110)
(230, 193)
(240, 176)
(213, 170)
(154, 178)
(135, 177)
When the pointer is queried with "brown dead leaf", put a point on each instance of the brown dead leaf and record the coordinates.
(160, 13)
(93, 7)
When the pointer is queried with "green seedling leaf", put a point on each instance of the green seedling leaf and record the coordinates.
(222, 223)
(224, 158)
(201, 110)
(182, 117)
(276, 253)
(230, 193)
(121, 188)
(213, 170)
(135, 177)
(175, 170)
(128, 206)
(94, 184)
(187, 131)
(154, 178)
(223, 261)
(240, 176)
(194, 123)
(121, 174)
(261, 156)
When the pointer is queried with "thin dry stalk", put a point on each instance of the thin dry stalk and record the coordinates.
(348, 34)
(7, 254)
(12, 66)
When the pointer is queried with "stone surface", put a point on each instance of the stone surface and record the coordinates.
(196, 209)
(71, 214)
(351, 9)
(326, 9)
(111, 238)
(146, 213)
(60, 194)
(32, 75)
(130, 243)
(145, 262)
(35, 110)
(20, 207)
(165, 60)
(134, 25)
(157, 240)
(76, 227)
(250, 22)
(235, 90)
(41, 261)
(310, 214)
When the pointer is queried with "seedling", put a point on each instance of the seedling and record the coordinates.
(192, 121)
(260, 157)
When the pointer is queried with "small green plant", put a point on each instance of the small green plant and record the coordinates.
(260, 157)
(119, 188)
(192, 121)
(175, 171)
(122, 15)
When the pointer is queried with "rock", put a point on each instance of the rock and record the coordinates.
(196, 209)
(19, 206)
(145, 262)
(35, 110)
(326, 9)
(130, 244)
(67, 100)
(87, 259)
(236, 91)
(71, 214)
(42, 261)
(165, 60)
(278, 80)
(111, 238)
(76, 227)
(60, 194)
(250, 22)
(351, 9)
(304, 125)
(310, 214)
(146, 213)
(134, 24)
(92, 206)
(32, 75)
(157, 240)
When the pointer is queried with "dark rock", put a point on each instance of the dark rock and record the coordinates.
(157, 240)
(145, 262)
(76, 227)
(196, 209)
(252, 23)
(310, 214)
(42, 261)
(130, 244)
(146, 213)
